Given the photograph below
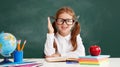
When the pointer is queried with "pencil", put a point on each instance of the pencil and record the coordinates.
(23, 45)
(18, 46)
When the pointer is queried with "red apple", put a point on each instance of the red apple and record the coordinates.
(94, 50)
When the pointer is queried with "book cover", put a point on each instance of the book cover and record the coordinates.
(95, 57)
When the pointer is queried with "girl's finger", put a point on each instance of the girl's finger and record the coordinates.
(49, 20)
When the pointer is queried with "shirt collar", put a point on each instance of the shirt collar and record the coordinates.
(65, 37)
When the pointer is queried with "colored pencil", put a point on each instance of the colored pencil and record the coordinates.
(18, 46)
(23, 45)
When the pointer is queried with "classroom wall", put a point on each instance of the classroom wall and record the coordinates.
(27, 20)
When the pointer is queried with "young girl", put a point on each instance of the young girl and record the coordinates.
(63, 38)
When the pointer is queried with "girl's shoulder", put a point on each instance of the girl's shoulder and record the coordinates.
(78, 35)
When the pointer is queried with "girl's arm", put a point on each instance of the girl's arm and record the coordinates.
(49, 49)
(80, 51)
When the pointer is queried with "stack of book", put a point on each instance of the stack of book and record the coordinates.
(93, 60)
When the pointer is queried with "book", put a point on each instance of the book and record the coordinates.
(55, 59)
(23, 64)
(93, 60)
(61, 59)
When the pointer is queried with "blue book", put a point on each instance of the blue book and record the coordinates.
(95, 57)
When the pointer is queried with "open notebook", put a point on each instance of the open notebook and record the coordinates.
(60, 59)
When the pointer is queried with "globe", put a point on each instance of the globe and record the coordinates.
(8, 44)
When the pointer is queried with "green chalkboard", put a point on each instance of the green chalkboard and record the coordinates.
(27, 20)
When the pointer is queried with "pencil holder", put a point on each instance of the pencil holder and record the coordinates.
(18, 56)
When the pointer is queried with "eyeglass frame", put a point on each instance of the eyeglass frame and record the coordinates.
(64, 20)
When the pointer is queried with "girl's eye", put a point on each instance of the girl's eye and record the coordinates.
(67, 21)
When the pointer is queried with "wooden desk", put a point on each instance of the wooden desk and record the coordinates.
(113, 62)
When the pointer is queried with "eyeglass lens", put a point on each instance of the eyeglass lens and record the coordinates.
(67, 21)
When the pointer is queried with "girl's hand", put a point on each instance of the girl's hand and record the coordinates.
(50, 27)
(54, 55)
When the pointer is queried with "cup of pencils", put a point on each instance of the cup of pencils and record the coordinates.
(18, 54)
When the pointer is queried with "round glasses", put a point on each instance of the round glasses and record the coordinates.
(60, 21)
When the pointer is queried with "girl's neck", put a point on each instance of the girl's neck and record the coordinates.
(64, 34)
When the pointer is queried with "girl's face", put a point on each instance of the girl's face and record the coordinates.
(64, 23)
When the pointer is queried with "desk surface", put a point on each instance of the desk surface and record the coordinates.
(113, 62)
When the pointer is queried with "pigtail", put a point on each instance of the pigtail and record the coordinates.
(55, 31)
(74, 33)
(54, 27)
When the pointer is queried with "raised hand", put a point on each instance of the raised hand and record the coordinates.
(50, 27)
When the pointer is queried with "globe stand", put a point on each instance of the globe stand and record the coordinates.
(5, 60)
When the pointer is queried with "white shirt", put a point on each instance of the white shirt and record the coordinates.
(64, 46)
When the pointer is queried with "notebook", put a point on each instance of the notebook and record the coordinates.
(61, 59)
